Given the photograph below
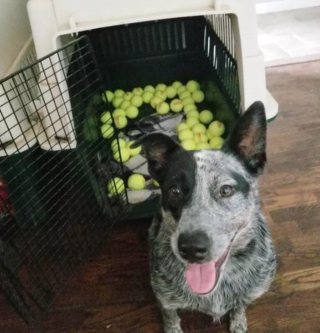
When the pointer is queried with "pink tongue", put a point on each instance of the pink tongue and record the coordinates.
(201, 278)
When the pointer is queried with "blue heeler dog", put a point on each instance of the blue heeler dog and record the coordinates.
(210, 247)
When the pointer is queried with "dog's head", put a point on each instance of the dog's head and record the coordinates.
(209, 197)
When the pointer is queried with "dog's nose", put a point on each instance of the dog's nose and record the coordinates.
(194, 246)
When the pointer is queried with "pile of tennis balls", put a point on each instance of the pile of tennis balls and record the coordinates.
(122, 151)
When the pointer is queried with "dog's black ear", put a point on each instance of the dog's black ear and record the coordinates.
(247, 140)
(159, 147)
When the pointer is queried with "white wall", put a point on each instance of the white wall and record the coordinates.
(271, 6)
(14, 31)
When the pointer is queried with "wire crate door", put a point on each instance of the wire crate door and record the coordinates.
(55, 169)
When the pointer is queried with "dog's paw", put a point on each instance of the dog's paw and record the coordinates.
(238, 321)
(176, 329)
(238, 327)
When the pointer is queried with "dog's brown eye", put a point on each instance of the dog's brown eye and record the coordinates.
(175, 191)
(226, 191)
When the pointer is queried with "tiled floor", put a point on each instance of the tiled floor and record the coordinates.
(290, 36)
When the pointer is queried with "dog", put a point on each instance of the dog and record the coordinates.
(210, 247)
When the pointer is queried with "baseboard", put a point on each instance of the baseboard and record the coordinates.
(282, 5)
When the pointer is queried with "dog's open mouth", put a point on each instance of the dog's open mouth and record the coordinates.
(202, 278)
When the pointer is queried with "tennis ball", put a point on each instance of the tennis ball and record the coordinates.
(123, 152)
(163, 108)
(188, 144)
(120, 122)
(185, 94)
(114, 144)
(200, 137)
(133, 151)
(216, 142)
(192, 121)
(206, 117)
(118, 112)
(209, 135)
(185, 134)
(106, 118)
(132, 112)
(193, 114)
(161, 87)
(136, 182)
(216, 128)
(182, 127)
(149, 89)
(109, 95)
(181, 89)
(202, 145)
(162, 94)
(171, 92)
(107, 131)
(187, 101)
(189, 107)
(198, 128)
(198, 96)
(156, 183)
(136, 101)
(155, 101)
(147, 97)
(119, 93)
(127, 96)
(176, 105)
(116, 186)
(124, 105)
(192, 86)
(117, 102)
(137, 91)
(176, 84)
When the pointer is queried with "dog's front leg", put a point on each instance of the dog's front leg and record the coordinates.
(238, 321)
(171, 320)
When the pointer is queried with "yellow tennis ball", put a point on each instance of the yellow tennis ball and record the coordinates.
(171, 92)
(136, 101)
(198, 96)
(182, 127)
(206, 117)
(122, 153)
(118, 112)
(192, 86)
(120, 122)
(188, 144)
(176, 84)
(156, 183)
(189, 107)
(116, 186)
(109, 95)
(202, 145)
(132, 112)
(127, 96)
(161, 87)
(147, 97)
(133, 151)
(117, 102)
(209, 135)
(136, 182)
(106, 118)
(176, 105)
(216, 128)
(137, 91)
(124, 105)
(200, 137)
(114, 144)
(185, 134)
(107, 131)
(185, 94)
(149, 89)
(162, 94)
(187, 101)
(119, 93)
(216, 142)
(192, 121)
(181, 89)
(163, 108)
(155, 102)
(193, 114)
(198, 128)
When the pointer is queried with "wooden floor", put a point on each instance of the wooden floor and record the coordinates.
(113, 295)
